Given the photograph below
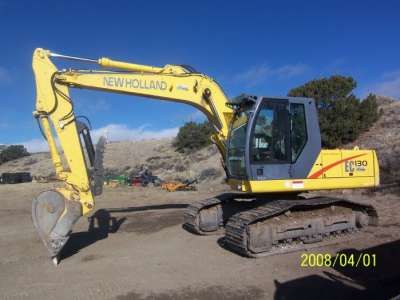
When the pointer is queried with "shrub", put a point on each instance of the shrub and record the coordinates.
(31, 161)
(369, 111)
(209, 173)
(13, 152)
(342, 116)
(180, 168)
(193, 136)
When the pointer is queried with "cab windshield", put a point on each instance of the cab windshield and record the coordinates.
(237, 145)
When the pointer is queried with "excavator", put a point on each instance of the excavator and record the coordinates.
(270, 148)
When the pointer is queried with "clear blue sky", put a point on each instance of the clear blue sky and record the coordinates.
(259, 47)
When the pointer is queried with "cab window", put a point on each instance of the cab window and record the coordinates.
(298, 129)
(270, 136)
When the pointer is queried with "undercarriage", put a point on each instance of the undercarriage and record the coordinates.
(266, 225)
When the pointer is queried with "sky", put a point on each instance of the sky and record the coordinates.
(256, 47)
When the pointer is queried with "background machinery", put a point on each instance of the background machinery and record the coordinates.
(271, 149)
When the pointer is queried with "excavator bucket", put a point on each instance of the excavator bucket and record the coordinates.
(53, 217)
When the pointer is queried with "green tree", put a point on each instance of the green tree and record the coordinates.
(342, 116)
(13, 152)
(193, 136)
(369, 111)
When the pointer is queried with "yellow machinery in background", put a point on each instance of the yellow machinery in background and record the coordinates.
(271, 150)
(174, 186)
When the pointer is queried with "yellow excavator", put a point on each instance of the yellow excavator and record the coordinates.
(270, 148)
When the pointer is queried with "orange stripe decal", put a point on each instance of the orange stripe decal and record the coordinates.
(324, 169)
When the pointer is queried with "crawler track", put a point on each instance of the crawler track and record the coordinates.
(209, 216)
(193, 215)
(288, 225)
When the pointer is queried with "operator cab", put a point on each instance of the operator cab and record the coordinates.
(272, 138)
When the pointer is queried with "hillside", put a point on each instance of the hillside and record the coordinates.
(125, 157)
(384, 137)
(161, 158)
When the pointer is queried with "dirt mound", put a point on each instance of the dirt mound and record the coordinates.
(384, 137)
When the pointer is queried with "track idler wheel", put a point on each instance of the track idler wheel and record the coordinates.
(210, 219)
(53, 217)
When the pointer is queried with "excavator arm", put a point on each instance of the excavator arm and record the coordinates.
(55, 212)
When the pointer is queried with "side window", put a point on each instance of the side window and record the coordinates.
(270, 135)
(298, 129)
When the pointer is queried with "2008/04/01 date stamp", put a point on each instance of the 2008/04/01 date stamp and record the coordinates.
(313, 260)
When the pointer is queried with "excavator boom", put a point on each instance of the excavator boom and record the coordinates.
(55, 212)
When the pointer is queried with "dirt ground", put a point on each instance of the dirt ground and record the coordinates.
(136, 248)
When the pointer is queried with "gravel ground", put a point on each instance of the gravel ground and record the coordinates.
(139, 250)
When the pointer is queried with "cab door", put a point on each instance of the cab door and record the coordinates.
(305, 138)
(269, 140)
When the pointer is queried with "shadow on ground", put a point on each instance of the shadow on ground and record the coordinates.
(106, 221)
(206, 293)
(362, 282)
